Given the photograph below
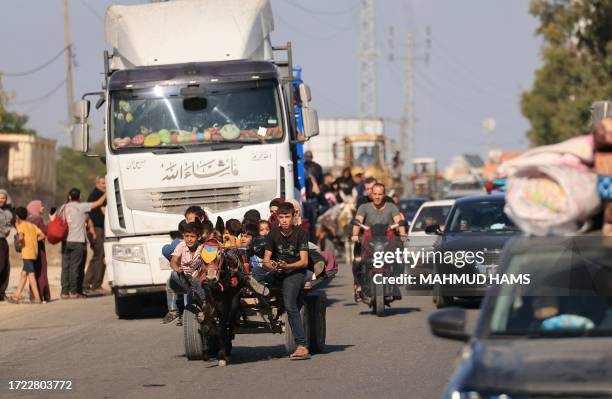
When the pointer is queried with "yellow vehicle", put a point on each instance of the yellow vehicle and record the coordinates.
(365, 153)
(424, 177)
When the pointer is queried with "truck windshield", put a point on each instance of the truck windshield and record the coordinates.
(367, 155)
(158, 117)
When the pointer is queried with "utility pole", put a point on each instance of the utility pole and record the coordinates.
(368, 95)
(407, 142)
(69, 83)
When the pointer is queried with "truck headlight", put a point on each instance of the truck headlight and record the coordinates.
(129, 253)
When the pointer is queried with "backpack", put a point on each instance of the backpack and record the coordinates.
(57, 229)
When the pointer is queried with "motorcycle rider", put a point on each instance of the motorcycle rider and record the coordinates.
(378, 211)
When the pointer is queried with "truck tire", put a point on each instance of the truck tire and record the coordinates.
(127, 307)
(317, 327)
(194, 348)
(289, 340)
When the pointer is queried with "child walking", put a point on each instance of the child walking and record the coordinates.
(29, 235)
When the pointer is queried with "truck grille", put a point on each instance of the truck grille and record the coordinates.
(212, 198)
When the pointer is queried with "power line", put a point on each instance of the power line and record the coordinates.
(309, 34)
(38, 68)
(476, 77)
(41, 98)
(92, 10)
(318, 12)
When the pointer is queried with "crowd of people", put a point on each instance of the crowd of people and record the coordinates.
(84, 221)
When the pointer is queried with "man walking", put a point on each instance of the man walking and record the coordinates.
(74, 249)
(95, 272)
(6, 222)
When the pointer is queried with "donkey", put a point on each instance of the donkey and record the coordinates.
(224, 278)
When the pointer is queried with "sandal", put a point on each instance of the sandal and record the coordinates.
(301, 353)
(358, 297)
(13, 300)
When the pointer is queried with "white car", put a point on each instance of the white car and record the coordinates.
(431, 212)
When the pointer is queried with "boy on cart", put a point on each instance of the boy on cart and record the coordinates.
(286, 256)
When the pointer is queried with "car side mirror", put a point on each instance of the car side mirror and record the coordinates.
(433, 229)
(449, 323)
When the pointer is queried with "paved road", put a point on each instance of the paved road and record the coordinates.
(83, 341)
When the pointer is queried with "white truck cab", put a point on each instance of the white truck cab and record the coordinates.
(190, 120)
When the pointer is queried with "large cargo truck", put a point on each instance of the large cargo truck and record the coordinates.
(198, 111)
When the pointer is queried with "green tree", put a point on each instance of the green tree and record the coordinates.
(576, 70)
(11, 122)
(76, 170)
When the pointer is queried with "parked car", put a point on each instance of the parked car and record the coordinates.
(430, 213)
(476, 224)
(410, 206)
(464, 188)
(549, 338)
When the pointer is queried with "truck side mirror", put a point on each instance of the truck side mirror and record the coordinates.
(80, 137)
(80, 132)
(305, 94)
(311, 122)
(84, 107)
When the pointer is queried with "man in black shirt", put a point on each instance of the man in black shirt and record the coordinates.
(286, 255)
(95, 272)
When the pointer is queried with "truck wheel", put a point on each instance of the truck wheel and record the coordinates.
(127, 307)
(194, 348)
(317, 308)
(289, 340)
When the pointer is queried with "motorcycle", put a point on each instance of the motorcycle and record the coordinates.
(379, 238)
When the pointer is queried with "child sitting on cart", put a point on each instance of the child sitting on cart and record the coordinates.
(186, 259)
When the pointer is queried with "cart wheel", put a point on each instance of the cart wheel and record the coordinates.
(289, 340)
(194, 348)
(317, 309)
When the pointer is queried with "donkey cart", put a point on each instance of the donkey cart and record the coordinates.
(205, 332)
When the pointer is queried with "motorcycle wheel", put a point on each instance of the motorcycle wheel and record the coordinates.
(378, 299)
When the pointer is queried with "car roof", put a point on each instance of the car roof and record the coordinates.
(407, 199)
(480, 198)
(445, 202)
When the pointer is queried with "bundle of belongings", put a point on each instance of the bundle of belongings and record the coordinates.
(557, 189)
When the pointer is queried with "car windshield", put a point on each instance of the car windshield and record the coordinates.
(431, 215)
(480, 216)
(410, 205)
(569, 294)
(158, 117)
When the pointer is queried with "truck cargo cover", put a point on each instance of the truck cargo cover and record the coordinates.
(183, 31)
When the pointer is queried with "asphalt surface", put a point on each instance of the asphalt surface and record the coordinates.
(83, 341)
